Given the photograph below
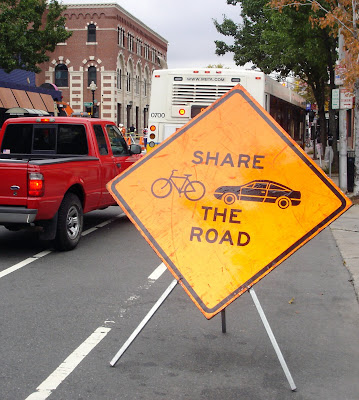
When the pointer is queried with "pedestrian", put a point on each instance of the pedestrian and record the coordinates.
(122, 129)
(144, 132)
(132, 129)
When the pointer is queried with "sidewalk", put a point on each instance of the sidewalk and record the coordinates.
(346, 233)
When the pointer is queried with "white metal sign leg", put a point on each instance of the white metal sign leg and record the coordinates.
(272, 339)
(143, 323)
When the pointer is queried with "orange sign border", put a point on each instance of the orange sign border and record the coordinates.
(211, 312)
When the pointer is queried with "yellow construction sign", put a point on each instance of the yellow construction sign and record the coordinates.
(227, 198)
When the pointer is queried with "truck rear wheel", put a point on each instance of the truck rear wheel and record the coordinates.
(69, 223)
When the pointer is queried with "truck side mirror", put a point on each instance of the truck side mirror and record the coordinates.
(135, 149)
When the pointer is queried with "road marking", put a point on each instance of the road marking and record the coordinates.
(84, 233)
(101, 225)
(42, 254)
(157, 272)
(46, 252)
(44, 390)
(17, 266)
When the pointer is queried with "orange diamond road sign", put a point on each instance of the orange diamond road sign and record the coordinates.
(226, 199)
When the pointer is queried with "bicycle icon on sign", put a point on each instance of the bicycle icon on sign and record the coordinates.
(193, 190)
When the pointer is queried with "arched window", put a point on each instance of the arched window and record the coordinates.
(61, 76)
(91, 33)
(119, 78)
(91, 75)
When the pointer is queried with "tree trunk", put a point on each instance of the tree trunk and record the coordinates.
(318, 92)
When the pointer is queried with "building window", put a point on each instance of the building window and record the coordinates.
(121, 37)
(61, 76)
(91, 75)
(153, 55)
(91, 33)
(147, 51)
(128, 87)
(130, 42)
(139, 47)
(137, 84)
(119, 78)
(145, 87)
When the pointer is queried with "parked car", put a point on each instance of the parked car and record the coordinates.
(260, 191)
(55, 169)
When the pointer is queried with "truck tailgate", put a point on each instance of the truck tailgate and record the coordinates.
(13, 182)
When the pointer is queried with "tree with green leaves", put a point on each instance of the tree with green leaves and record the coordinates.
(283, 42)
(28, 30)
(338, 15)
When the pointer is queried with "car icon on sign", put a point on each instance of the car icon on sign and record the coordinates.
(263, 191)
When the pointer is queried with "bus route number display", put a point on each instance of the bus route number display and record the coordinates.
(226, 199)
(195, 110)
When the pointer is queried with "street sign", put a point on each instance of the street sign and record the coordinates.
(88, 104)
(227, 198)
(346, 99)
(335, 99)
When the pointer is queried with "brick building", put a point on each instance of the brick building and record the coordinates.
(117, 52)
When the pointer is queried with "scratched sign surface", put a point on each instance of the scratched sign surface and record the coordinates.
(226, 199)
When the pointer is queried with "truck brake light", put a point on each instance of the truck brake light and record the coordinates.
(46, 120)
(36, 186)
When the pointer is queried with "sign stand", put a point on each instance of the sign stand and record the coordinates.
(143, 323)
(164, 296)
(272, 339)
(223, 317)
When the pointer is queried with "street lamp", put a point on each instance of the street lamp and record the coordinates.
(93, 87)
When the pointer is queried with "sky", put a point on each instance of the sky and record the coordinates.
(187, 25)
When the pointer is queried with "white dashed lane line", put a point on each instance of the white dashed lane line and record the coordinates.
(157, 272)
(29, 260)
(44, 390)
(23, 263)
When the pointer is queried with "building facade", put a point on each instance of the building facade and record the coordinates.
(105, 67)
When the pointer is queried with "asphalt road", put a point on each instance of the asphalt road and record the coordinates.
(64, 316)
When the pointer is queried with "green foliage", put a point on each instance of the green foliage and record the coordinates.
(218, 66)
(284, 41)
(274, 41)
(28, 32)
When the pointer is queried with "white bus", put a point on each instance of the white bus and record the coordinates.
(178, 95)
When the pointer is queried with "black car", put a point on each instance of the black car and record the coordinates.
(263, 191)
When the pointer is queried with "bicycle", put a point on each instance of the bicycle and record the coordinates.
(193, 190)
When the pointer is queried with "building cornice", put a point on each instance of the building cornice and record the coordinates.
(119, 8)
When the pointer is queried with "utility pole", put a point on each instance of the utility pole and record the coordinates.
(343, 178)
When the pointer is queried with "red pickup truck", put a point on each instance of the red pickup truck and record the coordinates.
(55, 169)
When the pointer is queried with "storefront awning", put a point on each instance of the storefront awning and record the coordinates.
(49, 102)
(36, 100)
(7, 98)
(30, 112)
(22, 98)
